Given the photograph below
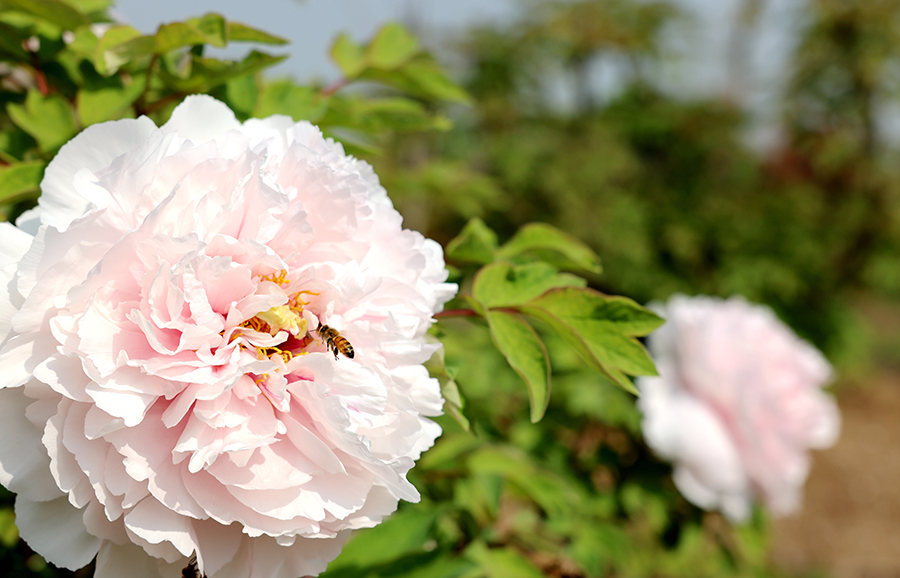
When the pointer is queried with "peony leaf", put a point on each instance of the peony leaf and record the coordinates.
(239, 32)
(428, 77)
(496, 562)
(58, 12)
(626, 316)
(403, 533)
(504, 284)
(526, 354)
(11, 39)
(553, 245)
(454, 402)
(19, 179)
(348, 55)
(209, 29)
(476, 243)
(9, 533)
(285, 97)
(120, 45)
(48, 119)
(600, 329)
(206, 73)
(392, 47)
(242, 93)
(108, 103)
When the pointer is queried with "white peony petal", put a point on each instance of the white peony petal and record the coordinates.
(116, 561)
(94, 148)
(57, 529)
(151, 521)
(24, 464)
(137, 322)
(14, 242)
(737, 404)
(201, 118)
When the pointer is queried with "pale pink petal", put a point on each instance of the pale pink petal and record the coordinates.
(58, 530)
(165, 333)
(737, 405)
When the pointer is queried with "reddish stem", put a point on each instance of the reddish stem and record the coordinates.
(40, 79)
(334, 87)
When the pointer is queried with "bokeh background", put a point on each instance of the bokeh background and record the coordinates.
(699, 146)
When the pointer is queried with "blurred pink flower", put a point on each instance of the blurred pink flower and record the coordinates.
(165, 391)
(737, 404)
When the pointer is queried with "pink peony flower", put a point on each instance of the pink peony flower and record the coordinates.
(168, 387)
(737, 404)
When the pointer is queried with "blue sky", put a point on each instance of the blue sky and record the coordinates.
(698, 63)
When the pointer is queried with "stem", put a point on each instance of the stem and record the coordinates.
(140, 104)
(334, 87)
(40, 79)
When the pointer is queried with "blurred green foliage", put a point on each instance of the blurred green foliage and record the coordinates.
(664, 190)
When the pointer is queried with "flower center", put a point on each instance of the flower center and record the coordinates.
(288, 318)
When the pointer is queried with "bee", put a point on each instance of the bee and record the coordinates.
(335, 342)
(191, 570)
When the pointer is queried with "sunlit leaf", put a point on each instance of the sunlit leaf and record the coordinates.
(526, 354)
(285, 97)
(431, 80)
(600, 329)
(119, 45)
(476, 243)
(403, 533)
(501, 562)
(110, 103)
(49, 120)
(348, 55)
(392, 47)
(239, 32)
(542, 238)
(504, 284)
(58, 12)
(19, 179)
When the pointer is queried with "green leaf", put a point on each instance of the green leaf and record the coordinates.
(392, 47)
(54, 11)
(49, 120)
(430, 79)
(454, 403)
(504, 284)
(476, 243)
(600, 328)
(205, 73)
(208, 29)
(120, 45)
(213, 26)
(526, 354)
(9, 533)
(11, 39)
(19, 179)
(110, 103)
(403, 533)
(625, 315)
(348, 55)
(285, 97)
(501, 563)
(242, 93)
(542, 238)
(239, 32)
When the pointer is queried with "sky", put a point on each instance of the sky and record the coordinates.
(312, 25)
(700, 62)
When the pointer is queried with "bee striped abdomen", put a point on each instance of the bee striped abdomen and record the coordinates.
(335, 342)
